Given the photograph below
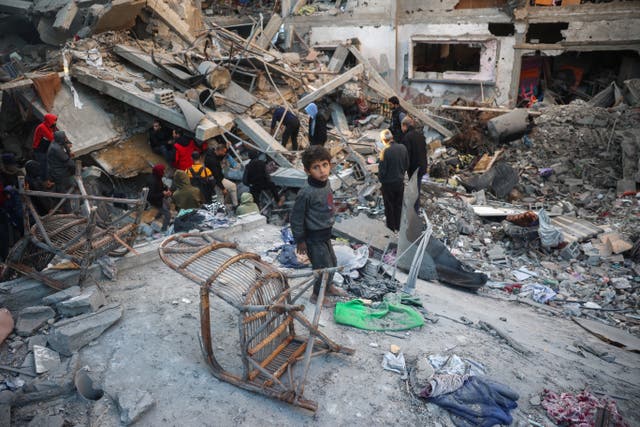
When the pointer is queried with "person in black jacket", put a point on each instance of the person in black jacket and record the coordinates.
(159, 141)
(397, 115)
(35, 182)
(159, 194)
(394, 161)
(60, 161)
(317, 125)
(291, 126)
(224, 187)
(257, 179)
(416, 147)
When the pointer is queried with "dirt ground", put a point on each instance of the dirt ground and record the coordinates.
(155, 348)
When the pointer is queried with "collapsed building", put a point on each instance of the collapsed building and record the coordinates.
(528, 108)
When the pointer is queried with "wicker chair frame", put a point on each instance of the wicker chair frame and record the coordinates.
(269, 345)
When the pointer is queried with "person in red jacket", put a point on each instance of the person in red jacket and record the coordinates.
(42, 137)
(184, 148)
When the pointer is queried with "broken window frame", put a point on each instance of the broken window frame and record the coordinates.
(487, 66)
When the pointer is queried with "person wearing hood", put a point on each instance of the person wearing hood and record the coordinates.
(36, 183)
(247, 205)
(186, 196)
(159, 194)
(60, 161)
(317, 125)
(42, 138)
(184, 148)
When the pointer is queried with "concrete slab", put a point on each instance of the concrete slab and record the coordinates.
(45, 359)
(128, 158)
(89, 301)
(363, 229)
(32, 318)
(62, 295)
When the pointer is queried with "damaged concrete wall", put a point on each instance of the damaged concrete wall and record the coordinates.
(495, 71)
(605, 30)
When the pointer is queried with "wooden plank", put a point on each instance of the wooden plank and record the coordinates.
(264, 140)
(610, 334)
(172, 19)
(378, 84)
(65, 16)
(338, 117)
(330, 86)
(338, 58)
(144, 61)
(268, 33)
(15, 7)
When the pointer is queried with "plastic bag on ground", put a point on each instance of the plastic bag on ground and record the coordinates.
(550, 236)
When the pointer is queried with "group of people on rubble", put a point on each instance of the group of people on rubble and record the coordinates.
(51, 168)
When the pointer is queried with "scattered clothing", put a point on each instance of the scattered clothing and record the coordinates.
(288, 258)
(441, 384)
(578, 410)
(479, 402)
(247, 205)
(539, 293)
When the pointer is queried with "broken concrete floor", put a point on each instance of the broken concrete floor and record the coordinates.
(155, 349)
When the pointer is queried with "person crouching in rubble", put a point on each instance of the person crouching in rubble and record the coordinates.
(247, 205)
(186, 196)
(317, 125)
(291, 126)
(312, 218)
(258, 180)
(60, 161)
(184, 147)
(394, 161)
(223, 186)
(159, 195)
(416, 148)
(159, 141)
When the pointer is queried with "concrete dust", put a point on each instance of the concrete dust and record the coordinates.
(155, 348)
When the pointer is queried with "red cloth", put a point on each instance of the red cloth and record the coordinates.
(578, 410)
(158, 170)
(183, 160)
(45, 129)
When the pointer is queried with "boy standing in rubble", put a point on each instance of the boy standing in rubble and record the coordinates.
(312, 218)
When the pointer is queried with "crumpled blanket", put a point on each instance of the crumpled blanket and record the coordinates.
(480, 402)
(578, 410)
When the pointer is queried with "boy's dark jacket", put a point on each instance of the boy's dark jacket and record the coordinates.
(312, 216)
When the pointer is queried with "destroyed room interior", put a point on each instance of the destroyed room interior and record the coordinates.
(319, 212)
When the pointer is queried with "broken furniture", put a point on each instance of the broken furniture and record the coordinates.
(269, 345)
(82, 236)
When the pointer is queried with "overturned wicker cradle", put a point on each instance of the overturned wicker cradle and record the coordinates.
(265, 303)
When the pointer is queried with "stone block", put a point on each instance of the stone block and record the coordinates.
(90, 300)
(18, 294)
(44, 359)
(40, 340)
(133, 403)
(58, 297)
(70, 335)
(32, 318)
(42, 420)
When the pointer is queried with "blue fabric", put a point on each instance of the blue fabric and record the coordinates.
(480, 402)
(312, 111)
(287, 236)
(287, 257)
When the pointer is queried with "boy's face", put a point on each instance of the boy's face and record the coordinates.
(319, 170)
